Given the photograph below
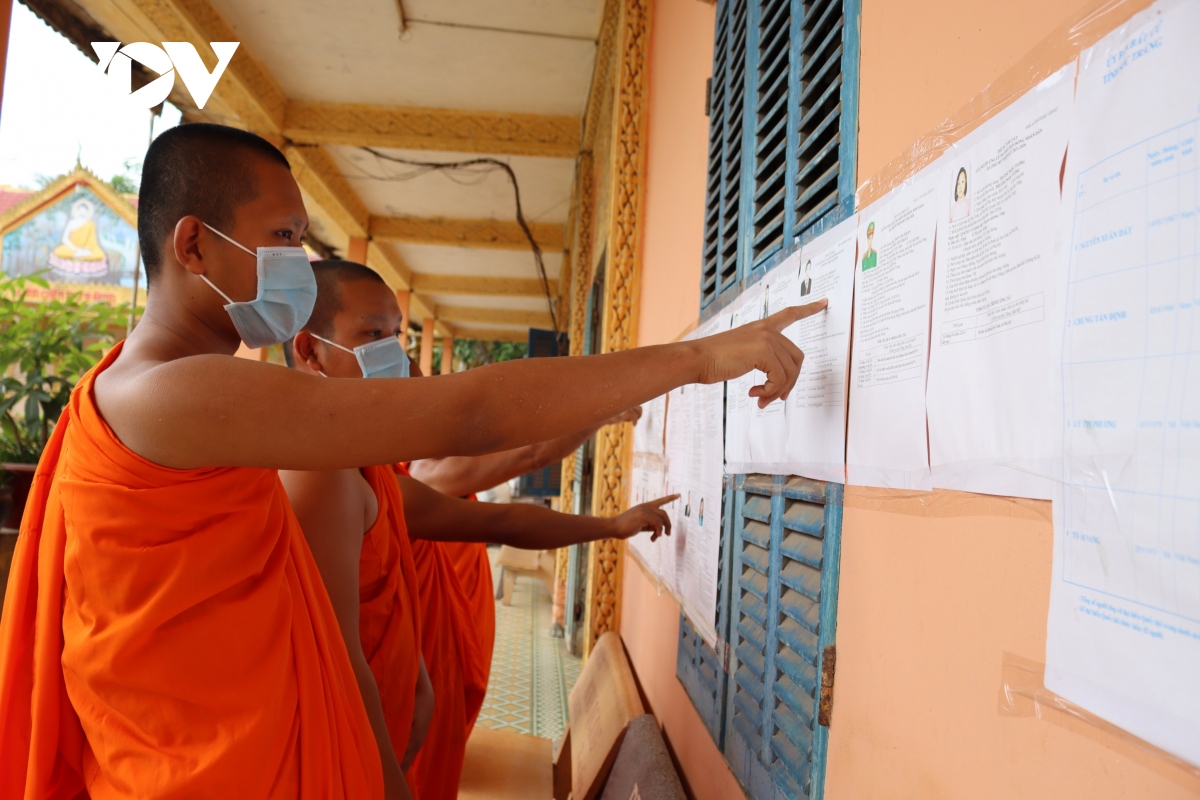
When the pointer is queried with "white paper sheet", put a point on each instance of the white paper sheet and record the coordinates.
(888, 445)
(689, 559)
(649, 475)
(991, 360)
(806, 434)
(739, 405)
(1123, 637)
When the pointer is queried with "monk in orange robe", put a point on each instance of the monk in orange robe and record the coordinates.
(165, 633)
(355, 309)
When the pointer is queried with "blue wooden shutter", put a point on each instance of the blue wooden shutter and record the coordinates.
(787, 534)
(727, 104)
(824, 113)
(771, 40)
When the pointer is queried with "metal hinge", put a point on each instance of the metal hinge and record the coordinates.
(825, 706)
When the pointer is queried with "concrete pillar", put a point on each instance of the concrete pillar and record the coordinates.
(447, 355)
(427, 345)
(404, 297)
(356, 251)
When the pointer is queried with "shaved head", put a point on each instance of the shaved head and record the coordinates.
(198, 169)
(331, 276)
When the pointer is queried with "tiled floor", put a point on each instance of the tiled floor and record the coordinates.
(532, 674)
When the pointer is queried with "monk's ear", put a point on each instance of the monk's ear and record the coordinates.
(186, 244)
(303, 352)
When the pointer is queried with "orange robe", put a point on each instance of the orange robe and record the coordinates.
(166, 634)
(457, 670)
(474, 570)
(388, 623)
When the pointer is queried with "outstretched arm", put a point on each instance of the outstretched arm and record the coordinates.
(459, 476)
(432, 515)
(332, 521)
(212, 410)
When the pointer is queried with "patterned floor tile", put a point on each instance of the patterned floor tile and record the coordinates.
(532, 673)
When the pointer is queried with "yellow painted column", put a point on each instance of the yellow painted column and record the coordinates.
(404, 298)
(356, 251)
(447, 355)
(427, 345)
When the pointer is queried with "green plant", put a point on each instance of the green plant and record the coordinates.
(45, 348)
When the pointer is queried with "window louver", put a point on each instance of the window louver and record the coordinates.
(782, 133)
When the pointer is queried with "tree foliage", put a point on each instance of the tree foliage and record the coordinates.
(45, 348)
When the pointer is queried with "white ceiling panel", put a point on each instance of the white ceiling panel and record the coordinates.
(569, 18)
(482, 192)
(351, 51)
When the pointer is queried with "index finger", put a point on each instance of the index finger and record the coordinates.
(782, 319)
(662, 501)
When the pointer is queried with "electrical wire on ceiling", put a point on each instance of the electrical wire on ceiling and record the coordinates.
(477, 170)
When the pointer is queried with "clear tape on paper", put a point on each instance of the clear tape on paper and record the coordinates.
(1023, 693)
(1053, 53)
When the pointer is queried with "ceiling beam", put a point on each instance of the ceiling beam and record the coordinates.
(478, 284)
(495, 316)
(491, 334)
(388, 263)
(247, 93)
(491, 233)
(317, 174)
(446, 130)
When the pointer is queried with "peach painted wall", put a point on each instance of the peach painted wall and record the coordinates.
(677, 142)
(935, 591)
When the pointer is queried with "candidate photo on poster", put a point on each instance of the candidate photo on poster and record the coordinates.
(806, 279)
(960, 208)
(870, 256)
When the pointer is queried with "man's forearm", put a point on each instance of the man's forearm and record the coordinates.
(459, 476)
(532, 527)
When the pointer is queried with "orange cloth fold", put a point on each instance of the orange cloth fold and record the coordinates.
(457, 669)
(474, 570)
(389, 609)
(166, 634)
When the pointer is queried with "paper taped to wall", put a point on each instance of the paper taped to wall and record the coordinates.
(806, 434)
(1123, 638)
(888, 445)
(990, 396)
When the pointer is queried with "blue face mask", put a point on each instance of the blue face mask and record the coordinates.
(287, 292)
(384, 358)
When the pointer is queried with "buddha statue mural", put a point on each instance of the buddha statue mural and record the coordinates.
(79, 255)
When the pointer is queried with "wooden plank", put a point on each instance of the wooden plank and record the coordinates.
(495, 316)
(490, 233)
(441, 129)
(481, 285)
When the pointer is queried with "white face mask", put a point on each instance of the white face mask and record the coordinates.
(287, 292)
(384, 358)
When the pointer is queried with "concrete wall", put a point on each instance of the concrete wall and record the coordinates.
(935, 589)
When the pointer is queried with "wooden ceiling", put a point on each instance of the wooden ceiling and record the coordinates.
(347, 87)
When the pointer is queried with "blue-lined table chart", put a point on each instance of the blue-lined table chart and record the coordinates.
(1131, 385)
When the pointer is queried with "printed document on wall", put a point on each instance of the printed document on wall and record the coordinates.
(748, 307)
(1123, 639)
(806, 434)
(766, 428)
(689, 559)
(649, 476)
(990, 401)
(888, 445)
